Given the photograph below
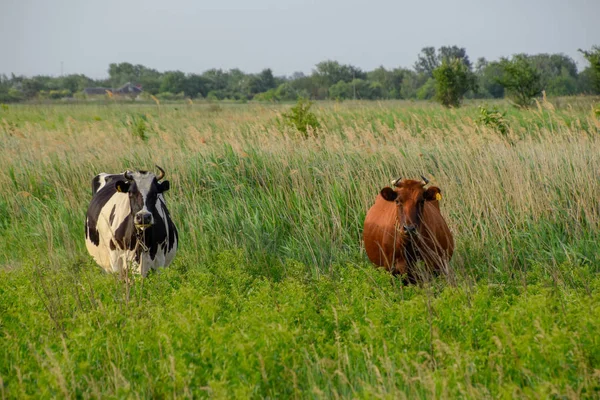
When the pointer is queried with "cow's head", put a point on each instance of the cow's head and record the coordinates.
(410, 197)
(143, 189)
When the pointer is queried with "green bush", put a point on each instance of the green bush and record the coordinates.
(494, 119)
(300, 117)
(520, 79)
(54, 94)
(268, 96)
(452, 80)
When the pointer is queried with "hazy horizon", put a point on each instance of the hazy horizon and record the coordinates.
(285, 35)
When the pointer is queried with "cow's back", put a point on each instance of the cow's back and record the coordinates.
(379, 233)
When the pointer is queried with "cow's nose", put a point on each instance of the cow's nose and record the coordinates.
(143, 218)
(410, 229)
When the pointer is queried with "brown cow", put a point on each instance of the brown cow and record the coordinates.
(405, 225)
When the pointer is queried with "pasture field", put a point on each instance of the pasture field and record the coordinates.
(271, 294)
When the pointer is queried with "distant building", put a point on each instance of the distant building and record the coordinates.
(127, 89)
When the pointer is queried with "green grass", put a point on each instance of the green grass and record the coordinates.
(271, 294)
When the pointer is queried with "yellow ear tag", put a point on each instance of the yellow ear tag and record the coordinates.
(438, 196)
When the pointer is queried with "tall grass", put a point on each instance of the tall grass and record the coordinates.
(271, 293)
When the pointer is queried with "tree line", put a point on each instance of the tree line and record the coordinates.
(446, 74)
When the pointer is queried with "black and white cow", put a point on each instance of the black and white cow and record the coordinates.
(128, 222)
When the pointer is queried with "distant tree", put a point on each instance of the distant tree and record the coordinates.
(584, 82)
(428, 60)
(261, 82)
(173, 82)
(32, 86)
(267, 80)
(562, 85)
(487, 75)
(520, 79)
(150, 80)
(217, 81)
(359, 89)
(593, 71)
(452, 80)
(427, 90)
(340, 91)
(558, 73)
(238, 85)
(286, 92)
(389, 80)
(411, 83)
(307, 87)
(297, 75)
(122, 73)
(196, 86)
(448, 53)
(75, 83)
(8, 93)
(329, 72)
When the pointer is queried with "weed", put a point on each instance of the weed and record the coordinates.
(494, 119)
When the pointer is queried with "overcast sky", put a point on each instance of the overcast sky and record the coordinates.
(285, 35)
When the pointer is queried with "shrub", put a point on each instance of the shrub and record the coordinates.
(493, 119)
(268, 96)
(300, 117)
(520, 79)
(452, 80)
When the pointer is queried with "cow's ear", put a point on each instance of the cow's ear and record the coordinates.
(388, 193)
(122, 186)
(163, 186)
(433, 193)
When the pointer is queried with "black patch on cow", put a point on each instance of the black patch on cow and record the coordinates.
(173, 234)
(112, 215)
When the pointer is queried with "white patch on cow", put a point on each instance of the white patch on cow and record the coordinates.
(109, 259)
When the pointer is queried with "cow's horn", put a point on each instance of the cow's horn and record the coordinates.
(127, 175)
(162, 173)
(396, 182)
(425, 180)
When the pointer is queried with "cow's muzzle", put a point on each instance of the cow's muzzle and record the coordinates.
(143, 219)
